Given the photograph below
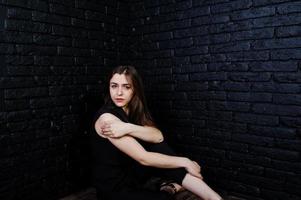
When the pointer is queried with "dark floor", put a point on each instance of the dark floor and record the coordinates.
(90, 194)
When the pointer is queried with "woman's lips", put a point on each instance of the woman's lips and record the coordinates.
(119, 100)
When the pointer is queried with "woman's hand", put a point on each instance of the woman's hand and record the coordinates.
(193, 168)
(115, 129)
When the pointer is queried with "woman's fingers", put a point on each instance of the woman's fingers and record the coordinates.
(197, 166)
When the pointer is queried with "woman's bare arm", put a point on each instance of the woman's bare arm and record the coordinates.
(135, 150)
(113, 127)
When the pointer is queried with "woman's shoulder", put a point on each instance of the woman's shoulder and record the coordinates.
(114, 110)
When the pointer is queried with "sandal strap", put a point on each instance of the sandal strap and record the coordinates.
(170, 185)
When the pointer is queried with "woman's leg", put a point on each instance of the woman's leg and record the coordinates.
(189, 182)
(199, 188)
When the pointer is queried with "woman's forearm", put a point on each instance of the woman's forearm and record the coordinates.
(145, 133)
(159, 160)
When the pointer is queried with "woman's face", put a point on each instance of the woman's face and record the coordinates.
(121, 90)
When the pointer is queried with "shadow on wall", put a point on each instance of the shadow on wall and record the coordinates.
(79, 160)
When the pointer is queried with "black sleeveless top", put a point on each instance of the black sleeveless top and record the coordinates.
(112, 168)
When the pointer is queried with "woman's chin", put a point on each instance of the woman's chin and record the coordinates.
(119, 104)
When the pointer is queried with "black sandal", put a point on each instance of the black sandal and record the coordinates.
(169, 187)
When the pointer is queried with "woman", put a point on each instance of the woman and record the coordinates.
(127, 146)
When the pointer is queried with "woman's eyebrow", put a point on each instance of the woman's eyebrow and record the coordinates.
(113, 83)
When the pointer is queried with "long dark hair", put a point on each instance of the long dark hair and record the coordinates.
(137, 107)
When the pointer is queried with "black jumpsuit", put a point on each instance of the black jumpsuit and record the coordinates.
(117, 176)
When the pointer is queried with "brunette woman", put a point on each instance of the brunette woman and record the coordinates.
(128, 148)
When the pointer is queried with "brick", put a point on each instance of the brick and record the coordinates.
(18, 104)
(205, 20)
(207, 76)
(206, 58)
(256, 119)
(62, 10)
(288, 31)
(291, 121)
(158, 36)
(39, 5)
(192, 12)
(261, 181)
(193, 68)
(217, 38)
(253, 140)
(63, 61)
(202, 3)
(228, 106)
(277, 88)
(285, 54)
(249, 77)
(227, 66)
(249, 97)
(226, 126)
(50, 18)
(277, 43)
(230, 47)
(183, 5)
(281, 20)
(237, 86)
(248, 56)
(274, 66)
(51, 40)
(16, 82)
(183, 23)
(193, 31)
(17, 13)
(17, 37)
(289, 144)
(18, 115)
(292, 7)
(273, 109)
(253, 34)
(267, 2)
(230, 6)
(253, 13)
(276, 132)
(278, 154)
(93, 15)
(191, 51)
(19, 60)
(288, 78)
(168, 44)
(220, 115)
(66, 51)
(270, 194)
(207, 95)
(23, 93)
(18, 25)
(287, 99)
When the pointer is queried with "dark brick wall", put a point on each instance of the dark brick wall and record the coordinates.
(53, 56)
(223, 79)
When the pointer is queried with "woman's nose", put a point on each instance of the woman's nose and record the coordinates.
(119, 92)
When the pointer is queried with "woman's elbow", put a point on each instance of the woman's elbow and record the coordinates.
(160, 138)
(143, 160)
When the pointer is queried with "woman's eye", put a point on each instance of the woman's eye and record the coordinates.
(113, 86)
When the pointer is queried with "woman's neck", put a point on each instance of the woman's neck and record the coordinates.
(126, 110)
